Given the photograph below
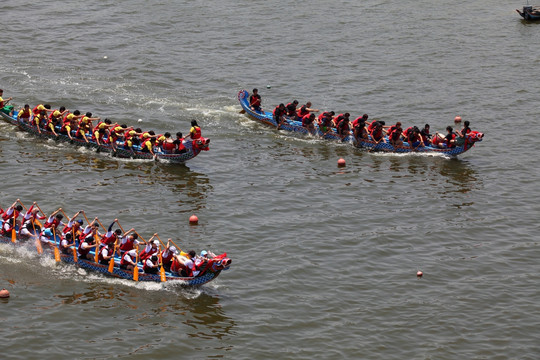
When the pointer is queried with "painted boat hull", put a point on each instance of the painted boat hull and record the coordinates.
(192, 151)
(209, 273)
(296, 127)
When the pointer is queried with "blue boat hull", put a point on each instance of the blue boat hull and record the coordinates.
(266, 117)
(210, 273)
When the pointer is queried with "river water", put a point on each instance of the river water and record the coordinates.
(324, 258)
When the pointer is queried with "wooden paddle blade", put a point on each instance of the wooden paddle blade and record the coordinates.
(13, 236)
(111, 265)
(56, 254)
(38, 246)
(75, 259)
(162, 274)
(136, 273)
(242, 111)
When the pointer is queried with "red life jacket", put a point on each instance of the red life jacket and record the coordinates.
(168, 146)
(406, 131)
(106, 240)
(15, 214)
(166, 259)
(54, 223)
(177, 267)
(255, 100)
(35, 110)
(101, 257)
(197, 133)
(123, 261)
(128, 245)
(146, 267)
(25, 113)
(83, 252)
(145, 255)
(302, 111)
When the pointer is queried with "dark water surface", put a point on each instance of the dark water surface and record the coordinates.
(324, 258)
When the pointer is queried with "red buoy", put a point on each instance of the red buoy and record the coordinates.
(341, 162)
(193, 220)
(419, 273)
(4, 294)
(457, 119)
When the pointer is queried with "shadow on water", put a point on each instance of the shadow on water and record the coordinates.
(197, 309)
(455, 172)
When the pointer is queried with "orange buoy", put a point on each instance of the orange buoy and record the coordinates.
(4, 294)
(419, 273)
(457, 119)
(193, 220)
(341, 162)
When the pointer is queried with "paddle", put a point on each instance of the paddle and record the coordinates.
(136, 269)
(56, 247)
(75, 259)
(13, 232)
(161, 270)
(111, 262)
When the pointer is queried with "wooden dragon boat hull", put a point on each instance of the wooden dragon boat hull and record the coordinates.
(192, 149)
(209, 272)
(293, 126)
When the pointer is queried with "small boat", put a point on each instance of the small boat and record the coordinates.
(294, 126)
(530, 12)
(193, 147)
(50, 247)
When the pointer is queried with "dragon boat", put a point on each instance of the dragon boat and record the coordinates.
(50, 247)
(295, 126)
(193, 148)
(530, 12)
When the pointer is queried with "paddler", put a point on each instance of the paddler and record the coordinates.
(66, 243)
(25, 114)
(279, 114)
(55, 118)
(184, 265)
(106, 253)
(195, 131)
(128, 242)
(151, 265)
(128, 260)
(179, 144)
(73, 226)
(167, 144)
(85, 125)
(85, 246)
(255, 101)
(150, 249)
(70, 123)
(54, 220)
(2, 101)
(90, 231)
(131, 138)
(147, 145)
(39, 120)
(30, 227)
(291, 109)
(111, 236)
(10, 216)
(167, 255)
(306, 110)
